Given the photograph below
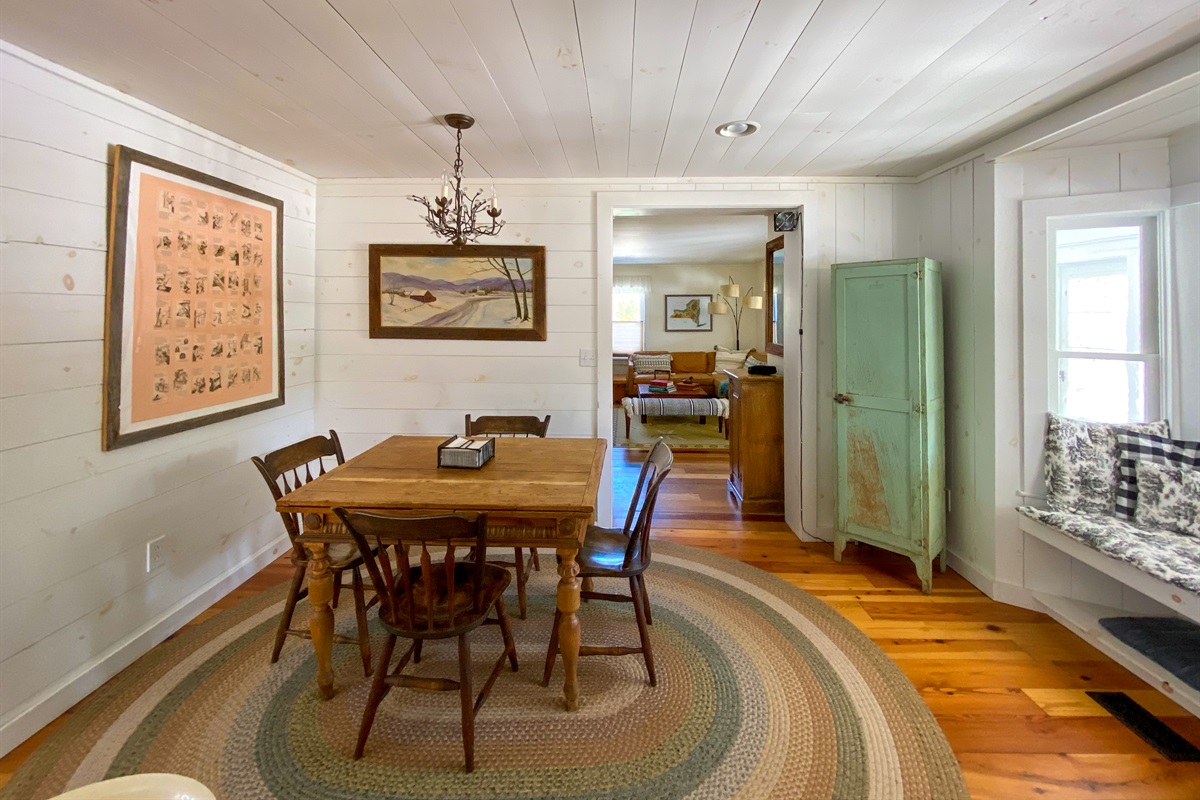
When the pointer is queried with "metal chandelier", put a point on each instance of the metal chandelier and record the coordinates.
(453, 215)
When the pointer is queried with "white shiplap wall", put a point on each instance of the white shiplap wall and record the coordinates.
(76, 603)
(956, 225)
(370, 389)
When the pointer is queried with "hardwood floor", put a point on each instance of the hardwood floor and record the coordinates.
(1006, 685)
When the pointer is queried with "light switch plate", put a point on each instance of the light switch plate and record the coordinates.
(587, 358)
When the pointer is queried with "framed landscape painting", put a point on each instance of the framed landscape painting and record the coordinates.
(193, 329)
(447, 292)
(688, 312)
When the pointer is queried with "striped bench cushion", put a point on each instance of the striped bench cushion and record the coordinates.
(675, 406)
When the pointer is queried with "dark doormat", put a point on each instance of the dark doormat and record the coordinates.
(1152, 730)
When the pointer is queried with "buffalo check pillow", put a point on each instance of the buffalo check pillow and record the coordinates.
(1133, 447)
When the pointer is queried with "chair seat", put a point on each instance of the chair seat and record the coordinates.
(437, 618)
(603, 554)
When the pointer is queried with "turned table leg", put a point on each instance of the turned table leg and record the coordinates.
(320, 593)
(568, 629)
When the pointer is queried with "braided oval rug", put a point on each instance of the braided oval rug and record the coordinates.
(763, 691)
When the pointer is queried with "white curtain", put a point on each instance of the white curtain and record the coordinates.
(631, 283)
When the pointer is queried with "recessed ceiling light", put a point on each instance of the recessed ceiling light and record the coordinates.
(734, 130)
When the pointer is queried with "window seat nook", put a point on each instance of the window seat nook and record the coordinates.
(1163, 566)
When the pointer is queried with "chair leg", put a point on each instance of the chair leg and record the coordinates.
(417, 650)
(379, 690)
(360, 614)
(337, 587)
(640, 613)
(466, 699)
(289, 608)
(641, 579)
(506, 633)
(552, 650)
(520, 565)
(537, 565)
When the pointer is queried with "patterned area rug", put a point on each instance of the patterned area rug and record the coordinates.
(681, 433)
(764, 691)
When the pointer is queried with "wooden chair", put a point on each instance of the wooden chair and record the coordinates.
(624, 553)
(512, 426)
(284, 470)
(430, 601)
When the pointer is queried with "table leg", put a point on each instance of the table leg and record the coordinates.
(703, 420)
(568, 629)
(320, 593)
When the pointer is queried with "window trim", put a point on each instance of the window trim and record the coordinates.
(1036, 299)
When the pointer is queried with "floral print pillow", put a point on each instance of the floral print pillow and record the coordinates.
(1168, 498)
(1081, 462)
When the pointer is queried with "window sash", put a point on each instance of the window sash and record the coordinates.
(628, 336)
(1149, 317)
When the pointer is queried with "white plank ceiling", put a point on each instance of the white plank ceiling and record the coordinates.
(673, 236)
(606, 88)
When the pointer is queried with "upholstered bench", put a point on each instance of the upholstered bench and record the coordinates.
(702, 407)
(1172, 558)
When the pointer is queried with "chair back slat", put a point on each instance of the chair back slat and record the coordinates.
(281, 469)
(508, 426)
(641, 507)
(414, 602)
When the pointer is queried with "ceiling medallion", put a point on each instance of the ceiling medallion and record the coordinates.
(453, 215)
(738, 128)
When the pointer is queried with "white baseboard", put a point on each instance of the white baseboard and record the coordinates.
(42, 709)
(1015, 595)
(974, 576)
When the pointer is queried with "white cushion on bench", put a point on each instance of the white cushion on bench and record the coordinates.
(1170, 557)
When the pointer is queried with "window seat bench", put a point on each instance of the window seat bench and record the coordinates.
(1162, 566)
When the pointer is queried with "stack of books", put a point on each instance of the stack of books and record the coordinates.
(662, 386)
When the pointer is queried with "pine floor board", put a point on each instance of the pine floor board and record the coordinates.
(1006, 684)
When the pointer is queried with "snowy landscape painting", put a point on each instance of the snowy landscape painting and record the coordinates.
(447, 292)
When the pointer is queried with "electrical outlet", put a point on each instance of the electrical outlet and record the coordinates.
(156, 553)
(587, 358)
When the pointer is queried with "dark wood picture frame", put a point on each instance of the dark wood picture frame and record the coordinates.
(702, 312)
(131, 252)
(774, 348)
(525, 293)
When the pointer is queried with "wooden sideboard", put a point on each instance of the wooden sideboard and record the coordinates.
(756, 441)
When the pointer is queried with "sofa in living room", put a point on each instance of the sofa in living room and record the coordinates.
(704, 367)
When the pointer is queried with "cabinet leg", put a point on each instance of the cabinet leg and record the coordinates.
(942, 561)
(924, 565)
(839, 544)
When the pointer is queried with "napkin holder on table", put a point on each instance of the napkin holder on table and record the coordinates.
(459, 452)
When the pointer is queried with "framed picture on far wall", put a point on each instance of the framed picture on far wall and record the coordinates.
(193, 330)
(439, 291)
(688, 312)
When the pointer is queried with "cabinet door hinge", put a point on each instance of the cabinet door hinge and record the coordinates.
(919, 408)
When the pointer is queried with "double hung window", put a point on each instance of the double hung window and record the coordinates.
(628, 319)
(1104, 333)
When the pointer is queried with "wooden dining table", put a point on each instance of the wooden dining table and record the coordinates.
(536, 492)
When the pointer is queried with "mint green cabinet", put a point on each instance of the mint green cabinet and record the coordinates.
(890, 410)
